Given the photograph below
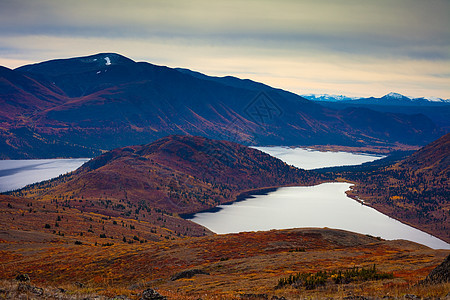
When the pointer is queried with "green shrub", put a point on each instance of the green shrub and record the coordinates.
(312, 280)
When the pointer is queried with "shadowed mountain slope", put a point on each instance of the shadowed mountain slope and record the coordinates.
(106, 101)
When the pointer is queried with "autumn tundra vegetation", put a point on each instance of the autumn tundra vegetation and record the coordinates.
(113, 229)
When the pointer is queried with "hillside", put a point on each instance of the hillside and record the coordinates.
(79, 106)
(234, 266)
(414, 190)
(173, 175)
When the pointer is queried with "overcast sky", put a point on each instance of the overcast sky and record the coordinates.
(350, 47)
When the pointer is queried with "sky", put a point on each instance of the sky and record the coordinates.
(346, 47)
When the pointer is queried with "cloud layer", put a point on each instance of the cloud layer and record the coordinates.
(348, 47)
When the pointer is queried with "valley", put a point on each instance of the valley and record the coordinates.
(95, 216)
(167, 143)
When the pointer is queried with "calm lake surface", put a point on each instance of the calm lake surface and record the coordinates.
(312, 159)
(15, 174)
(324, 205)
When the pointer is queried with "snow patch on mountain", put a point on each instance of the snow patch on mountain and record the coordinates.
(328, 97)
(391, 98)
(432, 99)
(108, 61)
(394, 95)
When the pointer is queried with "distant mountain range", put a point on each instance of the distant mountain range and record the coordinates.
(80, 106)
(437, 109)
(388, 99)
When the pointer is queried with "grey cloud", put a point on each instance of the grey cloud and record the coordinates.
(349, 27)
(328, 30)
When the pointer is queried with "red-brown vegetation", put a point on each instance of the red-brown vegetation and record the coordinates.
(174, 175)
(415, 190)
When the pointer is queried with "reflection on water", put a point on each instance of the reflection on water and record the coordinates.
(15, 174)
(324, 205)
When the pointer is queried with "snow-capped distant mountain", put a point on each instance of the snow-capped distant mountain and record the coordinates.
(388, 99)
(432, 99)
(328, 98)
(394, 96)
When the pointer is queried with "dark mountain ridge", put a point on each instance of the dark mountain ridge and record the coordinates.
(106, 101)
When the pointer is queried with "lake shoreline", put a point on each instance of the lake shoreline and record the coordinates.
(350, 193)
(247, 194)
(424, 238)
(374, 150)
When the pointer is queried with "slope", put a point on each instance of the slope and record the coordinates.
(234, 266)
(414, 190)
(173, 175)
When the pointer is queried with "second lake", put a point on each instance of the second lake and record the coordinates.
(324, 205)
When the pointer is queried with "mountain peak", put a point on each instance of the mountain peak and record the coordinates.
(328, 97)
(393, 95)
(106, 59)
(81, 64)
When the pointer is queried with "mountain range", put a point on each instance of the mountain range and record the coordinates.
(81, 106)
(388, 99)
(437, 109)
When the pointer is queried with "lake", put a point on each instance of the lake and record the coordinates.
(15, 174)
(324, 205)
(312, 159)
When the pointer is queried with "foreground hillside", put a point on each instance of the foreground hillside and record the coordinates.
(174, 175)
(414, 190)
(235, 266)
(79, 106)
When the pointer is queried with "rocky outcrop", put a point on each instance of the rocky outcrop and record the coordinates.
(151, 294)
(23, 277)
(188, 274)
(440, 274)
(26, 288)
